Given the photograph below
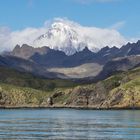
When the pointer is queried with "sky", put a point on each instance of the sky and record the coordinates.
(121, 15)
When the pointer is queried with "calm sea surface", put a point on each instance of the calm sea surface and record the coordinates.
(69, 124)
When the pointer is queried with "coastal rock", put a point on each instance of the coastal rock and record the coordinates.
(50, 101)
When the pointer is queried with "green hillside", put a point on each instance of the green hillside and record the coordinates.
(24, 90)
(13, 77)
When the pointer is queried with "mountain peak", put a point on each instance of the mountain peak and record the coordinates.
(26, 46)
(61, 35)
(138, 42)
(25, 51)
(86, 49)
(17, 48)
(70, 37)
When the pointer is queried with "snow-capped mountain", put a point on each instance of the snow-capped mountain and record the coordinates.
(70, 37)
(63, 35)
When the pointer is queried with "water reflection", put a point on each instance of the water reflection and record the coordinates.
(69, 124)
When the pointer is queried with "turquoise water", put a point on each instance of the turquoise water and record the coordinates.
(69, 124)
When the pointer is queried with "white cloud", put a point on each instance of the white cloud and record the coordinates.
(92, 36)
(4, 38)
(118, 25)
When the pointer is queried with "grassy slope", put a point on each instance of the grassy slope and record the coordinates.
(21, 96)
(126, 90)
(25, 89)
(10, 76)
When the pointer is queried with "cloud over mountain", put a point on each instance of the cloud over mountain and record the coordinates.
(62, 34)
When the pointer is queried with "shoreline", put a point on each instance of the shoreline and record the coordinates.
(68, 107)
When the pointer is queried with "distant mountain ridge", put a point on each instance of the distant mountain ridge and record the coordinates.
(24, 65)
(43, 59)
(26, 51)
(102, 56)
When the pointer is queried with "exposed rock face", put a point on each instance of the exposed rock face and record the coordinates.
(119, 65)
(80, 97)
(89, 96)
(43, 55)
(86, 97)
(26, 51)
(50, 101)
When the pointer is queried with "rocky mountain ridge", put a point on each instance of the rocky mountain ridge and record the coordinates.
(102, 56)
(46, 60)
